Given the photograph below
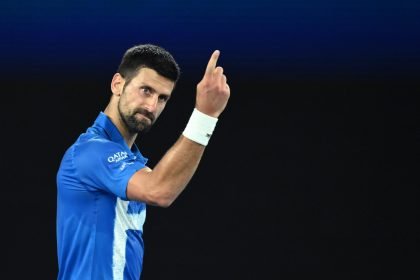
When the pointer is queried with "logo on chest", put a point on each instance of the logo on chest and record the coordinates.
(118, 157)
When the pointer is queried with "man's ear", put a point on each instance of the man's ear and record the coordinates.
(117, 84)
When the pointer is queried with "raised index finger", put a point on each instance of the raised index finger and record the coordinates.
(212, 62)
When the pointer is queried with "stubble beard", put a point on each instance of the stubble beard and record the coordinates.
(132, 122)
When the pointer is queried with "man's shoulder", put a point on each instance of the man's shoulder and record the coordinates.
(90, 145)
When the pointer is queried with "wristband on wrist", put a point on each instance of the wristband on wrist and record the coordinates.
(200, 127)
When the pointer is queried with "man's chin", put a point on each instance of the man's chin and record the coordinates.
(143, 127)
(144, 130)
(138, 125)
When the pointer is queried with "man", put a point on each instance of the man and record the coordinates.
(103, 182)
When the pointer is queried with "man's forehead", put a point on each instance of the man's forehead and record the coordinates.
(150, 73)
(152, 78)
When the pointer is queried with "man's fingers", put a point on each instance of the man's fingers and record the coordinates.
(218, 71)
(212, 62)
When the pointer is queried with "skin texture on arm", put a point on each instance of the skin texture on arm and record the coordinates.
(162, 185)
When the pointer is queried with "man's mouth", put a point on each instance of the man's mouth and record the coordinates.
(146, 115)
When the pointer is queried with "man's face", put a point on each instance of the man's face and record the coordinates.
(143, 99)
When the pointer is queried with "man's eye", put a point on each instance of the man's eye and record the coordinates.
(163, 98)
(145, 90)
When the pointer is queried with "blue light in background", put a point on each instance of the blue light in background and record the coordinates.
(349, 35)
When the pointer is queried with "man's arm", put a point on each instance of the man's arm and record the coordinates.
(162, 185)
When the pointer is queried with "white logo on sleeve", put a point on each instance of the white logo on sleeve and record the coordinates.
(118, 157)
(124, 164)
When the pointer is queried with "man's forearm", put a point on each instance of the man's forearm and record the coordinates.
(162, 185)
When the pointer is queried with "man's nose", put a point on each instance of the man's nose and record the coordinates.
(151, 103)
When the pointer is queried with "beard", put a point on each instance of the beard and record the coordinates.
(134, 122)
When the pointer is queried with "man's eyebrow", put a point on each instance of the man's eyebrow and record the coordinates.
(144, 85)
(154, 90)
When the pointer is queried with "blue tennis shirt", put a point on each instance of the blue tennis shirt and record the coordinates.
(99, 232)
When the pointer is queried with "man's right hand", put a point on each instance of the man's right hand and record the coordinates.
(213, 91)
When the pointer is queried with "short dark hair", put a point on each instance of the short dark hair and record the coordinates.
(148, 56)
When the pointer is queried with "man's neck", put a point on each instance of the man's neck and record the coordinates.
(129, 138)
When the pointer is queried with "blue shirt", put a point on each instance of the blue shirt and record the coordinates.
(99, 232)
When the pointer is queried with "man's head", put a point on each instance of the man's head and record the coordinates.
(148, 56)
(145, 80)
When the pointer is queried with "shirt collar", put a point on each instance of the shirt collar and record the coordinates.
(105, 123)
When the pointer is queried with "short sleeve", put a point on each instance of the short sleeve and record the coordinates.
(105, 165)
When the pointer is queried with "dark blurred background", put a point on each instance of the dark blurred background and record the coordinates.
(309, 173)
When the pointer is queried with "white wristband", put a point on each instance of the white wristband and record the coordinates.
(200, 127)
